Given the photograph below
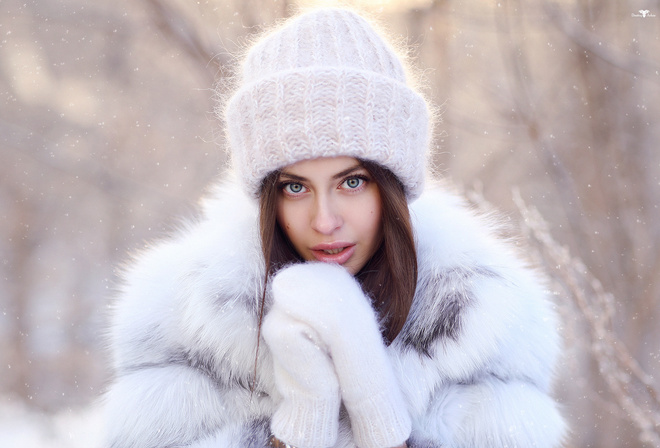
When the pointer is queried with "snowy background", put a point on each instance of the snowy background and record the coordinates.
(550, 113)
(24, 427)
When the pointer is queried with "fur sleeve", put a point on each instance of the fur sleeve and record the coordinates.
(477, 354)
(174, 405)
(183, 335)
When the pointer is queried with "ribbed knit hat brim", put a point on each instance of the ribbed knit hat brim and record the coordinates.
(294, 111)
(384, 121)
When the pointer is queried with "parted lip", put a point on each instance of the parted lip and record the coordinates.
(347, 250)
(332, 245)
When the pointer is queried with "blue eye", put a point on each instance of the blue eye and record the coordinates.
(353, 182)
(293, 188)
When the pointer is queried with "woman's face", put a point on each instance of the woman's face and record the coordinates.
(330, 210)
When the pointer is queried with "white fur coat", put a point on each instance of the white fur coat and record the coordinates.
(474, 360)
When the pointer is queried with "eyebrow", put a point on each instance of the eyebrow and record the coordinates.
(339, 175)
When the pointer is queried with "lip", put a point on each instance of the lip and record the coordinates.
(338, 258)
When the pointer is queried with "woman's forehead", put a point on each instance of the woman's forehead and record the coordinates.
(322, 167)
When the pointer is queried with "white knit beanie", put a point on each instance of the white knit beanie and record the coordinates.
(324, 85)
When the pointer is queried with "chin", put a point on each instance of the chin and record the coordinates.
(351, 270)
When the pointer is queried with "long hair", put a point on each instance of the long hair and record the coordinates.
(389, 278)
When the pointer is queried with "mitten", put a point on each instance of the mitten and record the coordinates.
(304, 375)
(328, 299)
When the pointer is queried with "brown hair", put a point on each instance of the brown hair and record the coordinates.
(389, 278)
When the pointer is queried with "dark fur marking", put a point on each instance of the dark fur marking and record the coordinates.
(414, 442)
(204, 272)
(219, 372)
(256, 434)
(448, 293)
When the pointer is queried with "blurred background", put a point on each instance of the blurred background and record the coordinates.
(550, 114)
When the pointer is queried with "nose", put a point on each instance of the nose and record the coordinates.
(326, 216)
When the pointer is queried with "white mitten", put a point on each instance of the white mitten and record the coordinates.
(329, 300)
(309, 413)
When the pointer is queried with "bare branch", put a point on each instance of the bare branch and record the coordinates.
(522, 93)
(186, 35)
(631, 387)
(588, 41)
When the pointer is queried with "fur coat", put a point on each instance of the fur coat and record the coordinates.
(474, 360)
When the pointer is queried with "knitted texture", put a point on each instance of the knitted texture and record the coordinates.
(325, 85)
(309, 413)
(328, 299)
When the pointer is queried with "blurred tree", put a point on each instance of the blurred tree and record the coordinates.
(107, 135)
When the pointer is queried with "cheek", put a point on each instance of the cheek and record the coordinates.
(377, 210)
(282, 217)
(287, 219)
(372, 224)
(376, 223)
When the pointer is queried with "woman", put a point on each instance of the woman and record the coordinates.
(326, 299)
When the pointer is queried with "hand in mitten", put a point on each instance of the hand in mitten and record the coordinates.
(304, 375)
(328, 299)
